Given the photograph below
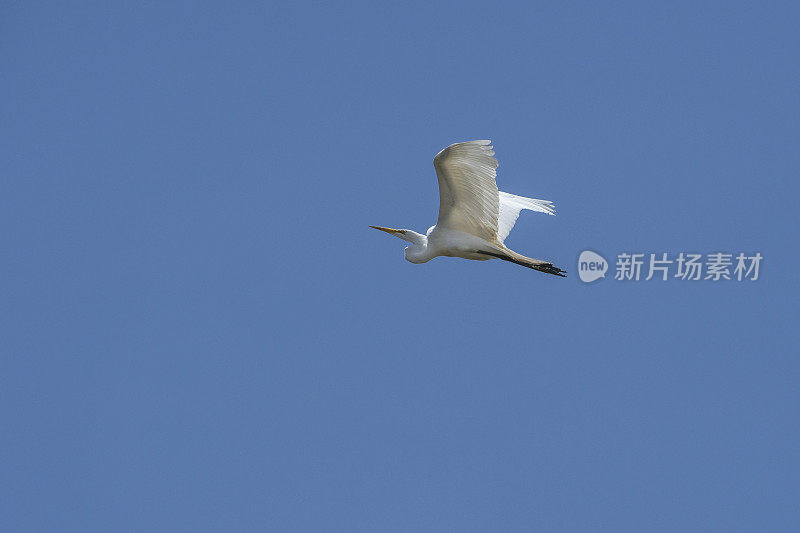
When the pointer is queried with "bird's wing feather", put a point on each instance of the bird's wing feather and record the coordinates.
(511, 205)
(468, 196)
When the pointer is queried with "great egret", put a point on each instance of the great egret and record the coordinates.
(474, 216)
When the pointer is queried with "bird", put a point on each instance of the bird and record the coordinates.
(475, 217)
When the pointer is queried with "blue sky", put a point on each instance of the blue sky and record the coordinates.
(200, 332)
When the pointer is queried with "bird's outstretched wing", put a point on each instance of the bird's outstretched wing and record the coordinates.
(511, 205)
(468, 197)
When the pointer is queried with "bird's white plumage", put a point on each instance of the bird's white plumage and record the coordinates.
(474, 216)
(511, 205)
(468, 197)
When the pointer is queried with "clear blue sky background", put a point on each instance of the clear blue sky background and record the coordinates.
(200, 332)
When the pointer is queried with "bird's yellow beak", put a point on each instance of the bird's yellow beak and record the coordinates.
(387, 230)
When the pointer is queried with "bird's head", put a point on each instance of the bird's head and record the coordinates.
(401, 233)
(415, 253)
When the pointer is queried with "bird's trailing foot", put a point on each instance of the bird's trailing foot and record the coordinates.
(535, 264)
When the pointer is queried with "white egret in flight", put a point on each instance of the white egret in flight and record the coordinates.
(474, 216)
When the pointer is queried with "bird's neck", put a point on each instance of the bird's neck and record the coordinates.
(414, 238)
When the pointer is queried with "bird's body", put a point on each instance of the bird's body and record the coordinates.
(474, 216)
(448, 243)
